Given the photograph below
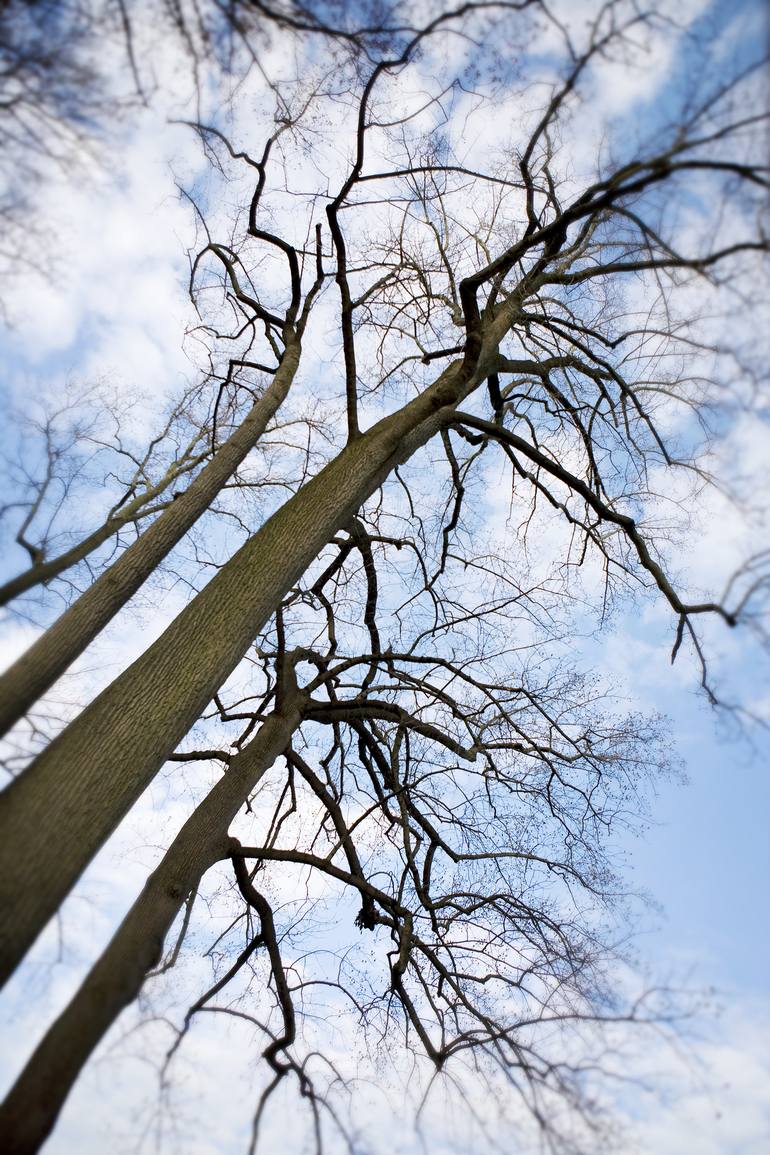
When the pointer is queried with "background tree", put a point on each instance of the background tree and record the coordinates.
(470, 775)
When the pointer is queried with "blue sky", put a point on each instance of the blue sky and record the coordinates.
(707, 857)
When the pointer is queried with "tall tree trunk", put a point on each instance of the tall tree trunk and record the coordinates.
(37, 669)
(62, 809)
(32, 1105)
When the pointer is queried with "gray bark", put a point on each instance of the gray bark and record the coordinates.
(32, 1106)
(37, 669)
(62, 809)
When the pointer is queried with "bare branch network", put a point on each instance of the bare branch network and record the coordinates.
(423, 264)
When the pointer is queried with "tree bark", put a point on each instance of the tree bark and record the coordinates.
(32, 1106)
(62, 809)
(45, 661)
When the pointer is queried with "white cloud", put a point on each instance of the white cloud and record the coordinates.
(717, 1097)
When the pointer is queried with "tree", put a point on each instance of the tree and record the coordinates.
(471, 772)
(49, 106)
(65, 452)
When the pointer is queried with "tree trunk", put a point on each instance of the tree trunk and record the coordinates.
(130, 513)
(37, 669)
(33, 1104)
(62, 809)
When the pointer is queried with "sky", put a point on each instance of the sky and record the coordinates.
(114, 314)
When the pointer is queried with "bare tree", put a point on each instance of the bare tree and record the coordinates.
(42, 665)
(453, 799)
(469, 777)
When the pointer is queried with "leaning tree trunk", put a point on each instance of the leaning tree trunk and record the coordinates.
(33, 1104)
(40, 573)
(37, 669)
(57, 815)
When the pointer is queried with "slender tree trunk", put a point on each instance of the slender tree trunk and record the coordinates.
(131, 513)
(37, 669)
(44, 572)
(33, 1104)
(62, 809)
